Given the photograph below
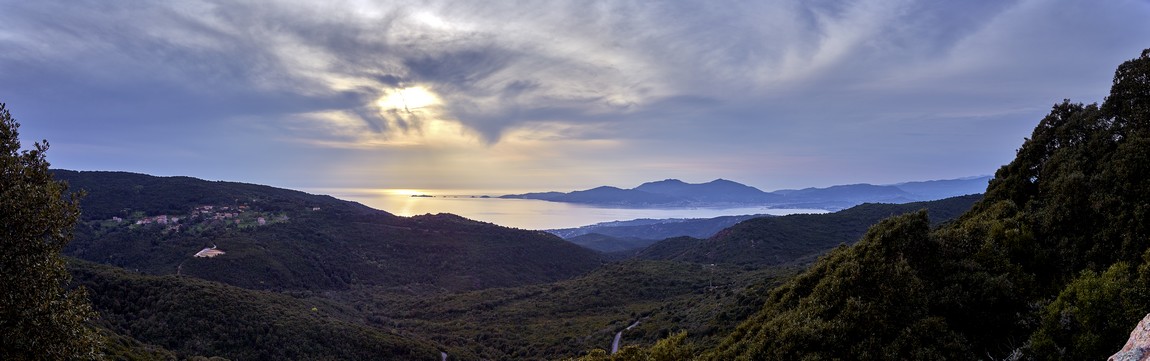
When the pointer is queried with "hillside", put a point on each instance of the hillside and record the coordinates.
(195, 317)
(437, 283)
(785, 239)
(1053, 263)
(566, 318)
(120, 194)
(607, 244)
(280, 239)
(640, 233)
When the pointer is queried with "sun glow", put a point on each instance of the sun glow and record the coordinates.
(403, 192)
(407, 100)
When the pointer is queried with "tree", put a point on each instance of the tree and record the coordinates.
(39, 318)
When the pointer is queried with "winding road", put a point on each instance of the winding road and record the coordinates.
(619, 335)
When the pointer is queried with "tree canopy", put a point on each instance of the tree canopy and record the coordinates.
(1052, 263)
(39, 318)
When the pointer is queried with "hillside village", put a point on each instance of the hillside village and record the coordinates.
(203, 216)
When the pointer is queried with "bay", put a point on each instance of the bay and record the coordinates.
(532, 214)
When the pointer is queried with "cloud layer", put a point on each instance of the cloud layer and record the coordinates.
(779, 91)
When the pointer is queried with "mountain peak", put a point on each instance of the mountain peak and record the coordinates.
(668, 181)
(725, 181)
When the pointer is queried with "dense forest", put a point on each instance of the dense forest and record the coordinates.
(310, 259)
(1052, 263)
(769, 241)
(288, 240)
(366, 270)
(198, 317)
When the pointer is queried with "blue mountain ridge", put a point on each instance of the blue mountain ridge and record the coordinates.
(725, 193)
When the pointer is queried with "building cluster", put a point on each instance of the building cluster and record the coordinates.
(160, 219)
(218, 213)
(225, 214)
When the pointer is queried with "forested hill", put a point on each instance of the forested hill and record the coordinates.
(275, 238)
(197, 317)
(768, 241)
(1053, 263)
(120, 194)
(636, 234)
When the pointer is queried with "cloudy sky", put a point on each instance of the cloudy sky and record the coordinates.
(553, 95)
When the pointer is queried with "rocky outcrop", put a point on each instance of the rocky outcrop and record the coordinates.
(1138, 347)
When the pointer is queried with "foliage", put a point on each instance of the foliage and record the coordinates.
(195, 317)
(673, 348)
(866, 302)
(1088, 315)
(322, 244)
(39, 318)
(1040, 268)
(120, 347)
(565, 318)
(781, 240)
(400, 273)
(610, 244)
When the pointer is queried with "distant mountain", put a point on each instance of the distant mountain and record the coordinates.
(780, 240)
(716, 191)
(843, 196)
(725, 193)
(639, 233)
(609, 195)
(275, 238)
(939, 189)
(606, 196)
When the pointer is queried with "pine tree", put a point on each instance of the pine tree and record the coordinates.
(39, 318)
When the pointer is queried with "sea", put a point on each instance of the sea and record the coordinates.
(532, 214)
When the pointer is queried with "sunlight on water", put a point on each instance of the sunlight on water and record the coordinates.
(521, 213)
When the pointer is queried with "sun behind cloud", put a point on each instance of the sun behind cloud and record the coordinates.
(416, 115)
(408, 100)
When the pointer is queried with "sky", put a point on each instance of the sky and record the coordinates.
(553, 95)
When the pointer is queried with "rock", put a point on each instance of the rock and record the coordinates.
(1138, 346)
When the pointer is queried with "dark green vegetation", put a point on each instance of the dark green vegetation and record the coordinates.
(39, 318)
(609, 244)
(781, 240)
(304, 241)
(1052, 264)
(199, 317)
(569, 317)
(305, 255)
(639, 233)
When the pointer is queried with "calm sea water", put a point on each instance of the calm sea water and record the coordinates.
(522, 213)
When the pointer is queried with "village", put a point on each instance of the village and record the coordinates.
(211, 216)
